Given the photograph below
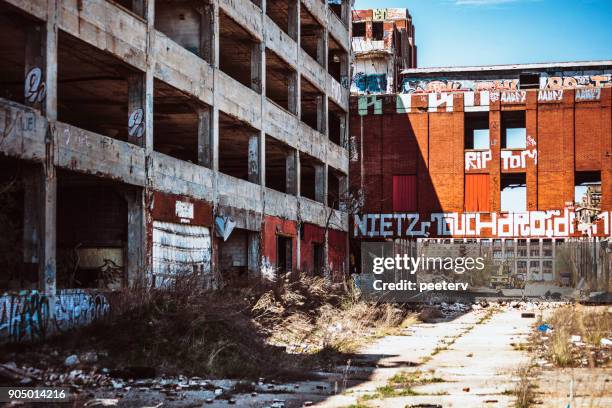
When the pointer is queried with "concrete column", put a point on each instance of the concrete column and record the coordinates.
(291, 171)
(294, 86)
(322, 114)
(136, 262)
(293, 9)
(253, 159)
(257, 66)
(205, 131)
(345, 12)
(136, 109)
(253, 255)
(322, 47)
(298, 174)
(344, 118)
(320, 183)
(208, 33)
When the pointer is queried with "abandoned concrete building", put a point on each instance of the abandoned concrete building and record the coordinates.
(383, 43)
(140, 139)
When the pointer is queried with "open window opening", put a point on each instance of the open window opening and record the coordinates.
(188, 23)
(337, 124)
(240, 54)
(359, 29)
(513, 192)
(238, 149)
(514, 130)
(312, 36)
(96, 91)
(477, 130)
(18, 255)
(378, 31)
(335, 189)
(281, 171)
(318, 259)
(281, 82)
(92, 231)
(177, 120)
(17, 33)
(336, 7)
(281, 13)
(313, 106)
(587, 190)
(337, 61)
(529, 80)
(312, 180)
(137, 7)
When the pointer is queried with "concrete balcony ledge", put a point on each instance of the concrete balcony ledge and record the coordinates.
(312, 142)
(237, 100)
(337, 93)
(337, 157)
(238, 193)
(281, 124)
(279, 204)
(246, 14)
(171, 175)
(281, 43)
(182, 69)
(22, 131)
(316, 213)
(87, 152)
(313, 71)
(338, 30)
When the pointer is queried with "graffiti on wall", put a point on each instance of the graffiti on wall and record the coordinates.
(370, 83)
(30, 315)
(35, 89)
(136, 123)
(437, 85)
(588, 94)
(510, 159)
(477, 160)
(549, 224)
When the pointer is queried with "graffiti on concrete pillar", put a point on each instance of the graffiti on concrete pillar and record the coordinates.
(35, 88)
(136, 123)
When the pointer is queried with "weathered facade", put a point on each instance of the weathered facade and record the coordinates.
(521, 155)
(141, 139)
(383, 45)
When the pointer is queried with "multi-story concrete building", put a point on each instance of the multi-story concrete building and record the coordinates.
(140, 139)
(508, 153)
(383, 45)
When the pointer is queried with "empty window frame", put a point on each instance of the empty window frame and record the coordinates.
(513, 190)
(514, 130)
(477, 130)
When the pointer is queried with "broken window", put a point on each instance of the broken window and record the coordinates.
(359, 29)
(239, 53)
(513, 192)
(378, 33)
(514, 131)
(587, 190)
(281, 82)
(188, 23)
(529, 80)
(477, 130)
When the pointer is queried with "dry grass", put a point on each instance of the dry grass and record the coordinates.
(524, 388)
(283, 330)
(590, 323)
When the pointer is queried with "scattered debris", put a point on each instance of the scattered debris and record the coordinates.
(71, 360)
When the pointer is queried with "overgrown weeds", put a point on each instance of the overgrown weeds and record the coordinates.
(524, 388)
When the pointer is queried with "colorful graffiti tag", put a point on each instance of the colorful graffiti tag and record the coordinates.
(31, 315)
(549, 224)
(370, 83)
(437, 85)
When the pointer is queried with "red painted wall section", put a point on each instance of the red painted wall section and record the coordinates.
(337, 254)
(273, 227)
(312, 234)
(164, 209)
(404, 193)
(477, 193)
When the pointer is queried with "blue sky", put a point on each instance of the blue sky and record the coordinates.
(484, 32)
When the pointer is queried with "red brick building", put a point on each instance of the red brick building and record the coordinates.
(514, 152)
